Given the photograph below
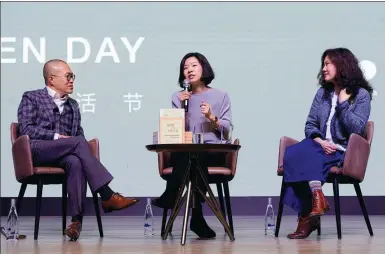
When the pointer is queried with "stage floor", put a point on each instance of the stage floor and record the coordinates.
(125, 235)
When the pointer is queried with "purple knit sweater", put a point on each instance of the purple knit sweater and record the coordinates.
(197, 122)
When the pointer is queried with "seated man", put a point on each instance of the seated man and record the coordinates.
(51, 119)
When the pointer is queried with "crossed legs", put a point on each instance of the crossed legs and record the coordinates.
(74, 155)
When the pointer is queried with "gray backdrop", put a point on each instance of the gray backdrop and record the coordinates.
(265, 55)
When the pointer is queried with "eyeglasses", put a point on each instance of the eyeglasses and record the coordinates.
(68, 76)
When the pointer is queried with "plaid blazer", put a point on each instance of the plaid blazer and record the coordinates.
(36, 116)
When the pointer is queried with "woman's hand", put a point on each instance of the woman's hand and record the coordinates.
(343, 96)
(206, 110)
(328, 147)
(185, 95)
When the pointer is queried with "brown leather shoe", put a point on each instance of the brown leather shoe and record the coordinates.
(304, 229)
(73, 230)
(320, 204)
(117, 202)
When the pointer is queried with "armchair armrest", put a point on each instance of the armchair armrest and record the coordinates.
(356, 157)
(94, 144)
(284, 142)
(22, 158)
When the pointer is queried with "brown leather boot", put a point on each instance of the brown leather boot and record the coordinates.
(320, 204)
(326, 205)
(304, 229)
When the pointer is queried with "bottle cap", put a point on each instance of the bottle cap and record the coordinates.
(13, 202)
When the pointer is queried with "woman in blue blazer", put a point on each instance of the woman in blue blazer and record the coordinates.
(340, 107)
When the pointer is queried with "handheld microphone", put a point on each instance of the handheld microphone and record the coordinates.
(186, 87)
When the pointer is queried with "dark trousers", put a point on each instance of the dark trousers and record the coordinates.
(74, 155)
(180, 161)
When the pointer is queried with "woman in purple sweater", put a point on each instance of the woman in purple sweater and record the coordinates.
(209, 111)
(340, 107)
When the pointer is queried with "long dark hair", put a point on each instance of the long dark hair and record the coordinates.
(349, 74)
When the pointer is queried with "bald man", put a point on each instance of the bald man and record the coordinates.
(51, 119)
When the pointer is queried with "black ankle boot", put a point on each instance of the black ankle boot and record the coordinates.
(163, 203)
(198, 224)
(167, 199)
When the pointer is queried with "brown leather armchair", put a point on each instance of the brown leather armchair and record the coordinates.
(352, 172)
(26, 174)
(218, 175)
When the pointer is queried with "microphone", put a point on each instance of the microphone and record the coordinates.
(186, 87)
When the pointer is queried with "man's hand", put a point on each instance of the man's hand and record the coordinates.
(63, 136)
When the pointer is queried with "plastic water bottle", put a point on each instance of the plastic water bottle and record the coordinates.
(269, 219)
(148, 220)
(12, 223)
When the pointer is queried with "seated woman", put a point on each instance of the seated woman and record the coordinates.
(340, 107)
(209, 110)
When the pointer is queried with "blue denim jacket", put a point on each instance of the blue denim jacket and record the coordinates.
(349, 117)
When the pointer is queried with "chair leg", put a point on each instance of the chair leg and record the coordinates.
(280, 209)
(164, 220)
(20, 197)
(319, 227)
(363, 207)
(337, 205)
(64, 206)
(97, 211)
(39, 194)
(221, 199)
(228, 206)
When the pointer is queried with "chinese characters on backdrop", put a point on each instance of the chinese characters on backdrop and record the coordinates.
(87, 102)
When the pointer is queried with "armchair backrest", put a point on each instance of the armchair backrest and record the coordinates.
(163, 161)
(232, 159)
(21, 153)
(357, 153)
(369, 131)
(14, 132)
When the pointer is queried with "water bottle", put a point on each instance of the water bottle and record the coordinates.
(12, 223)
(269, 219)
(148, 220)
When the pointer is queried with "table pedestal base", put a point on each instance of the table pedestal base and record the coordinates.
(190, 179)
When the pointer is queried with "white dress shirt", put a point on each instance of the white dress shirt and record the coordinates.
(59, 101)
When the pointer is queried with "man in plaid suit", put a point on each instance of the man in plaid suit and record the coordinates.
(51, 119)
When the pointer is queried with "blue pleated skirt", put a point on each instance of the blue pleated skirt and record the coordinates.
(303, 162)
